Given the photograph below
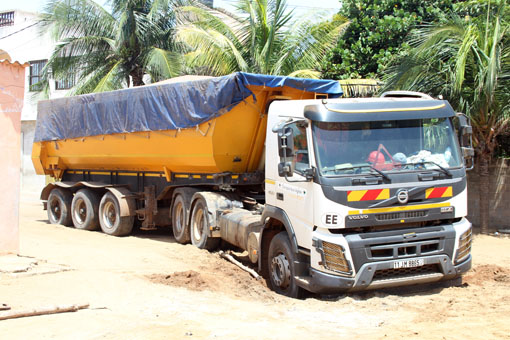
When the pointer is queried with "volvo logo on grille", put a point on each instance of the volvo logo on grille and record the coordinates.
(402, 196)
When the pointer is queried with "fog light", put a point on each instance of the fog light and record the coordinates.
(464, 246)
(334, 258)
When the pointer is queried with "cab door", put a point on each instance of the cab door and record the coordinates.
(295, 196)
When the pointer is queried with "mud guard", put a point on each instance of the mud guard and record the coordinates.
(215, 203)
(280, 215)
(124, 196)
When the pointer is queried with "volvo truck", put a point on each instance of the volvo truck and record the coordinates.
(325, 194)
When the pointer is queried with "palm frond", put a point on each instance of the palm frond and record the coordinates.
(311, 74)
(162, 64)
(110, 81)
(213, 50)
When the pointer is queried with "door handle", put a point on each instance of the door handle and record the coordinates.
(279, 196)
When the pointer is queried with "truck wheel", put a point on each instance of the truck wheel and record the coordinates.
(59, 207)
(180, 225)
(200, 227)
(281, 271)
(84, 210)
(109, 217)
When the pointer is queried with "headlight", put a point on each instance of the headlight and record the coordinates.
(464, 246)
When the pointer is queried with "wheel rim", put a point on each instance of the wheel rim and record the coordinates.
(198, 224)
(80, 211)
(109, 215)
(280, 271)
(179, 217)
(55, 209)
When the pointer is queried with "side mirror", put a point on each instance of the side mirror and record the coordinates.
(309, 173)
(285, 169)
(285, 142)
(285, 151)
(468, 154)
(466, 141)
(466, 130)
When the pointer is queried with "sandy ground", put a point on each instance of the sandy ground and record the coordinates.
(146, 286)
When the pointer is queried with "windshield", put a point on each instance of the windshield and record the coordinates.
(385, 146)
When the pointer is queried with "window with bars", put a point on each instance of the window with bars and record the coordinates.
(67, 82)
(6, 19)
(36, 68)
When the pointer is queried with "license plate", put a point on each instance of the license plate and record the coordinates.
(408, 263)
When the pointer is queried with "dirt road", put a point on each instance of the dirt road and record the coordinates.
(147, 286)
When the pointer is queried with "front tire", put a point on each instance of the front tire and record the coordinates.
(180, 225)
(200, 227)
(281, 260)
(109, 217)
(59, 207)
(85, 210)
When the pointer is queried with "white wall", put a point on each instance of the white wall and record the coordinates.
(24, 42)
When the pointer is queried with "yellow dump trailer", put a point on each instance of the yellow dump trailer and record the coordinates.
(143, 153)
(232, 142)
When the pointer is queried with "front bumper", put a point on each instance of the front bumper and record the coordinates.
(369, 277)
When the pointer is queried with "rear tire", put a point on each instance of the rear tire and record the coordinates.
(180, 224)
(200, 227)
(85, 210)
(59, 207)
(109, 217)
(281, 260)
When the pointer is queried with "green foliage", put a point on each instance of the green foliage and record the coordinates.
(108, 51)
(377, 34)
(467, 61)
(263, 37)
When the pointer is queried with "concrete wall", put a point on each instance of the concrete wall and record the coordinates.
(12, 82)
(499, 196)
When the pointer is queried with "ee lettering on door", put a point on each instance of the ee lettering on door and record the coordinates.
(330, 219)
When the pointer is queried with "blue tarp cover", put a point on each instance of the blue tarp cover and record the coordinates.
(158, 107)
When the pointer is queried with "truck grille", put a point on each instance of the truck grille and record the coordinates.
(401, 215)
(405, 249)
(386, 274)
(334, 258)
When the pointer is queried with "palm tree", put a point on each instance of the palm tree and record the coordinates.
(263, 38)
(467, 60)
(111, 50)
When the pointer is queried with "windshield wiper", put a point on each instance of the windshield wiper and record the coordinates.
(443, 169)
(379, 172)
(334, 169)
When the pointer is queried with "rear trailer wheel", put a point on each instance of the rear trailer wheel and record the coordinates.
(109, 217)
(180, 225)
(85, 210)
(59, 207)
(200, 227)
(281, 267)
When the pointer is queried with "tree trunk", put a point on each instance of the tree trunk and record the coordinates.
(484, 192)
(137, 77)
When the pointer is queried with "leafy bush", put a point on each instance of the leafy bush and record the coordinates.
(376, 34)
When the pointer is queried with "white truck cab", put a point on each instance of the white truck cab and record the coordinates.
(372, 193)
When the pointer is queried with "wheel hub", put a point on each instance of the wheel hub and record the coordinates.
(179, 219)
(198, 225)
(55, 209)
(80, 213)
(280, 271)
(109, 215)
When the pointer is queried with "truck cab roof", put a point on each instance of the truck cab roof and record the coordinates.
(382, 108)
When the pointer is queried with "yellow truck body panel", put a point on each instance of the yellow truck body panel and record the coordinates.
(232, 142)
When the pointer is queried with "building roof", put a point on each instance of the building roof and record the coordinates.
(16, 63)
